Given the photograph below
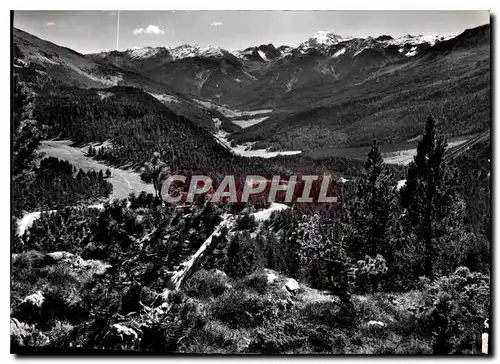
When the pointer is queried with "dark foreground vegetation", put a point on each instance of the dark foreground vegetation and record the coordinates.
(386, 272)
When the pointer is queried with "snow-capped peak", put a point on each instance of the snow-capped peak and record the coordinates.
(189, 51)
(323, 38)
(145, 52)
(430, 39)
(212, 51)
(185, 51)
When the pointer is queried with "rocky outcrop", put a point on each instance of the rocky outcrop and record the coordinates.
(121, 335)
(30, 307)
(292, 286)
(22, 334)
(271, 277)
(75, 261)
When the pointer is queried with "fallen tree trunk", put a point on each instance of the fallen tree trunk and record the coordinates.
(187, 268)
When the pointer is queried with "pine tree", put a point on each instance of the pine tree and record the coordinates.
(429, 194)
(241, 256)
(233, 254)
(154, 172)
(108, 173)
(372, 211)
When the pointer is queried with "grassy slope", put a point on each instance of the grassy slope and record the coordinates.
(60, 65)
(124, 182)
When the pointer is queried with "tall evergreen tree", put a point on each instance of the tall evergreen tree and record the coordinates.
(429, 194)
(372, 211)
(241, 256)
(154, 172)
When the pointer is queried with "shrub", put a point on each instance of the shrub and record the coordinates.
(22, 334)
(454, 310)
(256, 282)
(292, 334)
(238, 308)
(205, 284)
(329, 313)
(242, 257)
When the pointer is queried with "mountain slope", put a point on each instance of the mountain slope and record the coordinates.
(44, 63)
(329, 92)
(385, 101)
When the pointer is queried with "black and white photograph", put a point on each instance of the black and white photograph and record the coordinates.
(251, 182)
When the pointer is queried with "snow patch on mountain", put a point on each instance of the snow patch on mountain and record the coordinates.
(359, 51)
(290, 83)
(339, 53)
(145, 52)
(411, 52)
(262, 55)
(189, 51)
(431, 39)
(323, 38)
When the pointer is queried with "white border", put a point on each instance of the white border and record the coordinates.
(194, 5)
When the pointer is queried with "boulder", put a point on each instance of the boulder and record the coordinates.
(36, 299)
(271, 277)
(121, 335)
(375, 323)
(219, 273)
(292, 285)
(97, 266)
(76, 262)
(125, 333)
(30, 308)
(22, 334)
(19, 331)
(286, 292)
(57, 257)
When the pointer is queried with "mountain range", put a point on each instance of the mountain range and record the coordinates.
(330, 91)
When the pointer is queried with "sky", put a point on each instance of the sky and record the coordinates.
(96, 31)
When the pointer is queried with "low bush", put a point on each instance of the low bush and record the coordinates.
(329, 313)
(239, 308)
(205, 284)
(454, 311)
(256, 282)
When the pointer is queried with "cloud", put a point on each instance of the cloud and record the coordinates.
(112, 13)
(216, 24)
(151, 29)
(51, 24)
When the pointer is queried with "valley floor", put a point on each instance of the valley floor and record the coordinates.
(245, 150)
(401, 153)
(406, 156)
